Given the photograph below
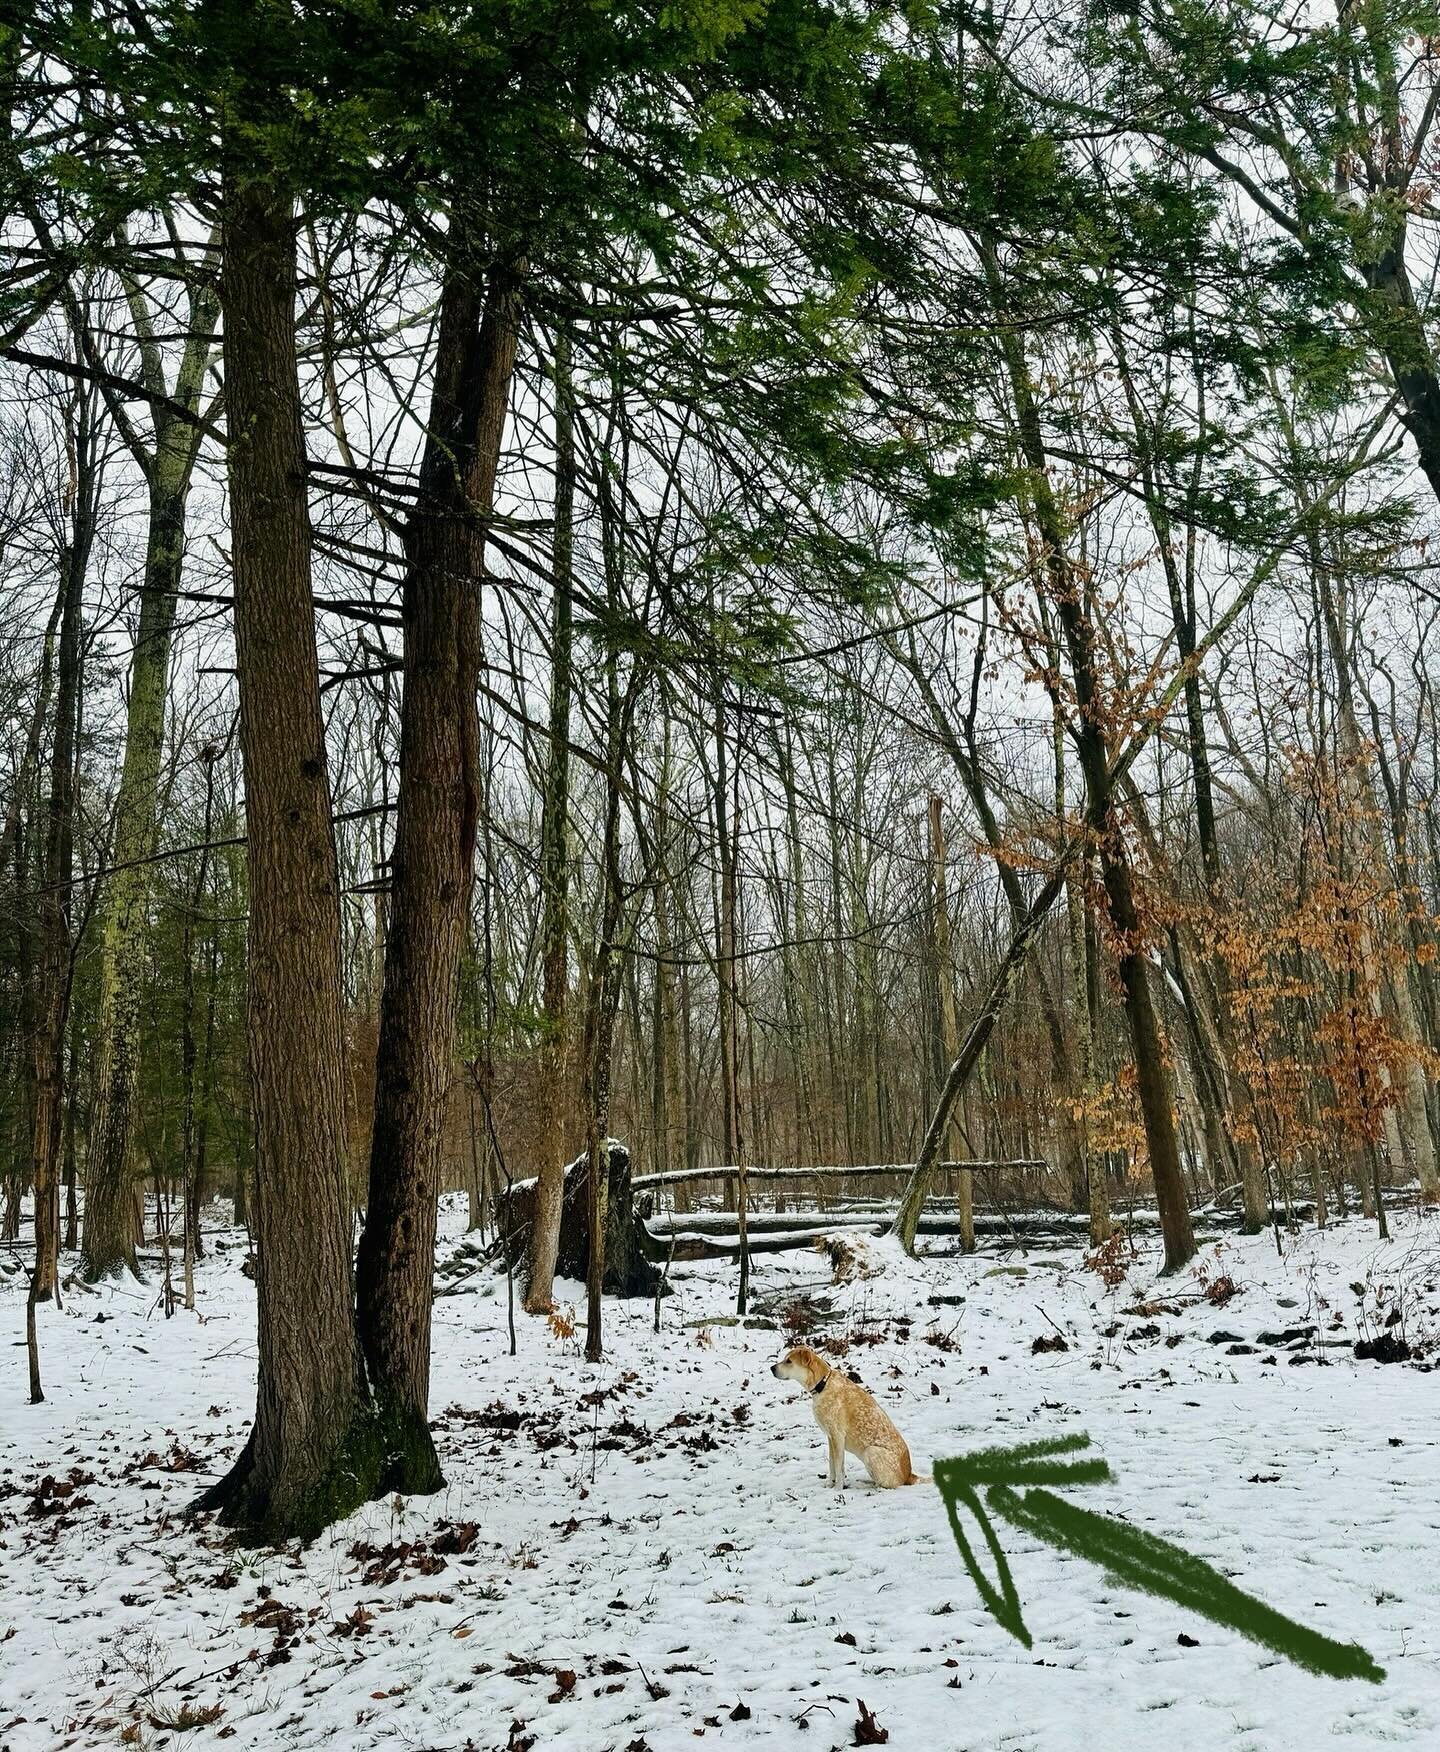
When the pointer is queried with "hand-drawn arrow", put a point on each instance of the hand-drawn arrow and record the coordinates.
(1130, 1555)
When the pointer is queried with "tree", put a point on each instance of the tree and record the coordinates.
(1071, 604)
(556, 1067)
(313, 1453)
(52, 964)
(432, 863)
(167, 463)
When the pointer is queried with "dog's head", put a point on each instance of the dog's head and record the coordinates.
(800, 1364)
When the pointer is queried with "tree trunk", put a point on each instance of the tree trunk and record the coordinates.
(1219, 1023)
(629, 1270)
(1360, 808)
(73, 1125)
(555, 1060)
(603, 997)
(53, 960)
(199, 1180)
(601, 1003)
(188, 1053)
(312, 1456)
(1090, 740)
(961, 745)
(948, 1029)
(109, 1238)
(1085, 950)
(972, 1048)
(432, 861)
(727, 829)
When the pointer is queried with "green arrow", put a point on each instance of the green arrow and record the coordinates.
(1130, 1555)
(1031, 1463)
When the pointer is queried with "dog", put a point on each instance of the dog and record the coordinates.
(853, 1423)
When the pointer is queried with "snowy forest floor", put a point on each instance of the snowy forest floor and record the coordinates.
(642, 1554)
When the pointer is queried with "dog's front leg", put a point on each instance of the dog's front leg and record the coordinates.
(837, 1463)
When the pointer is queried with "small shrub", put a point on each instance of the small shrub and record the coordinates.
(1111, 1260)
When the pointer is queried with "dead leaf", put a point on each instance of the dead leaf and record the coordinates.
(868, 1731)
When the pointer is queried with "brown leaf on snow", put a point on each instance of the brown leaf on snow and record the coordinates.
(868, 1731)
(454, 1540)
(522, 1667)
(386, 1563)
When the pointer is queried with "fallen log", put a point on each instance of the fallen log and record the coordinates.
(686, 1246)
(678, 1176)
(714, 1238)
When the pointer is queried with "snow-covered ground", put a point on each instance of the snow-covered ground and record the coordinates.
(642, 1554)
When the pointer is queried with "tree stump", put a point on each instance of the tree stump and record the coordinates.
(628, 1270)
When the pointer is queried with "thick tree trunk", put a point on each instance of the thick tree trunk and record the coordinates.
(1405, 346)
(312, 1456)
(555, 1058)
(432, 862)
(628, 1271)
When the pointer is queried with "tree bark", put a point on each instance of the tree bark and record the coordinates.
(433, 858)
(313, 1455)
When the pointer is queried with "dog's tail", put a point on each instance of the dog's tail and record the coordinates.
(919, 1478)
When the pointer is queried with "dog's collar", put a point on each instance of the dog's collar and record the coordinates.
(820, 1387)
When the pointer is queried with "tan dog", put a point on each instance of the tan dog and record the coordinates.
(852, 1421)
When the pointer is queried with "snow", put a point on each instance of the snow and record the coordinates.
(651, 1552)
